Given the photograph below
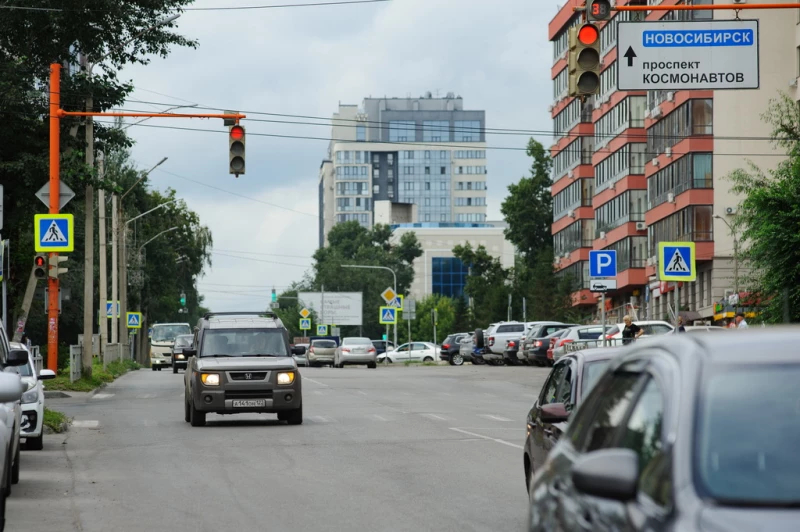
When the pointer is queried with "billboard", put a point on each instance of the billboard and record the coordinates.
(338, 308)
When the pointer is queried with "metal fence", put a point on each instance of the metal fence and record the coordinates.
(38, 361)
(579, 345)
(75, 362)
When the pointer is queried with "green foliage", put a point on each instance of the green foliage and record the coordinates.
(489, 284)
(350, 243)
(422, 326)
(99, 376)
(768, 218)
(55, 420)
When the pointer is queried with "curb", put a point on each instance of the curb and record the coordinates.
(100, 387)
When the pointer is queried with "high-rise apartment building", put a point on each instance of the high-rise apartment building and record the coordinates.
(635, 168)
(422, 159)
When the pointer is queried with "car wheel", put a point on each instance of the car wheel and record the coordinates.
(295, 417)
(197, 418)
(372, 365)
(427, 359)
(457, 360)
(15, 468)
(2, 510)
(174, 369)
(282, 416)
(153, 368)
(35, 444)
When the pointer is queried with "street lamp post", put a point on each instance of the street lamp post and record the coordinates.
(88, 278)
(394, 276)
(735, 254)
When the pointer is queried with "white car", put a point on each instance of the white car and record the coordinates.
(10, 412)
(32, 418)
(421, 351)
(650, 327)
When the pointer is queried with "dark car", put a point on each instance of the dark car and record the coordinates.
(569, 381)
(451, 345)
(533, 340)
(179, 361)
(381, 346)
(536, 353)
(682, 433)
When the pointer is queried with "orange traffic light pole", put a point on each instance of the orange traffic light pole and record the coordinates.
(56, 114)
(734, 7)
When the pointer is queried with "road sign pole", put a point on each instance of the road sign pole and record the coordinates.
(386, 355)
(603, 315)
(55, 196)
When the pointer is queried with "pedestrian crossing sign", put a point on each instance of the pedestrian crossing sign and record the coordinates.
(134, 320)
(388, 316)
(305, 324)
(322, 330)
(397, 302)
(676, 261)
(54, 233)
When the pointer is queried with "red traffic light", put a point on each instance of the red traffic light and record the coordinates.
(588, 34)
(39, 261)
(237, 133)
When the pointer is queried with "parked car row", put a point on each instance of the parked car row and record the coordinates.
(649, 436)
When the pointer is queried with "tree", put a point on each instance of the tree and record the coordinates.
(489, 284)
(528, 207)
(768, 217)
(350, 243)
(422, 327)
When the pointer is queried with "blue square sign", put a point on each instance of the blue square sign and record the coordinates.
(603, 263)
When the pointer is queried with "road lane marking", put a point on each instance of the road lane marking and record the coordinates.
(481, 436)
(315, 382)
(322, 419)
(434, 416)
(102, 395)
(362, 392)
(147, 396)
(379, 418)
(496, 418)
(86, 424)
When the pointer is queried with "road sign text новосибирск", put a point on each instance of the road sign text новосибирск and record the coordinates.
(679, 55)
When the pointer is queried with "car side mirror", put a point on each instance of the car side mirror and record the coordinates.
(47, 374)
(297, 350)
(11, 387)
(17, 357)
(608, 473)
(554, 413)
(189, 352)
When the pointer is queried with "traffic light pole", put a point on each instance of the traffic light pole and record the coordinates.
(55, 196)
(56, 114)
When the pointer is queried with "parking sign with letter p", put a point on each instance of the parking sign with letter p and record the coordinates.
(603, 263)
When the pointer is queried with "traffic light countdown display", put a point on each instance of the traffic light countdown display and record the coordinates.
(236, 140)
(598, 9)
(584, 60)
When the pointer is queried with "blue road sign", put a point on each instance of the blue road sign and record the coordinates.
(388, 316)
(110, 309)
(305, 324)
(603, 263)
(322, 330)
(676, 261)
(134, 320)
(54, 233)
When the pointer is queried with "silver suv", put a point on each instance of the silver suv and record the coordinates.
(241, 362)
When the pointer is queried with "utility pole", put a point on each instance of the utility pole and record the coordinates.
(114, 267)
(55, 196)
(88, 259)
(101, 221)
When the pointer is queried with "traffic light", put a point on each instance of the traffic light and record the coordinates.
(584, 60)
(598, 10)
(183, 299)
(236, 142)
(55, 271)
(274, 296)
(40, 266)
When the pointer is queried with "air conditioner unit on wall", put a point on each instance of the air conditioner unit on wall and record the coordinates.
(670, 197)
(550, 108)
(656, 112)
(730, 210)
(602, 235)
(651, 261)
(571, 174)
(670, 96)
(668, 152)
(647, 113)
(655, 161)
(571, 214)
(641, 226)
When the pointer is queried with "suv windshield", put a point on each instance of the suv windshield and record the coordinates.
(244, 342)
(167, 333)
(758, 466)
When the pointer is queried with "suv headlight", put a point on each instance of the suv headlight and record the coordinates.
(210, 379)
(30, 396)
(286, 378)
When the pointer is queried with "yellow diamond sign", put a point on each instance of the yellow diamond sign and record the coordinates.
(305, 313)
(388, 295)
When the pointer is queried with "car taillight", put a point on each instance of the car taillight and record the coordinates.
(512, 343)
(311, 350)
(538, 343)
(564, 341)
(491, 340)
(371, 350)
(345, 350)
(445, 346)
(609, 337)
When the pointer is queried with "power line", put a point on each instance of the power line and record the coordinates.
(261, 260)
(228, 8)
(267, 254)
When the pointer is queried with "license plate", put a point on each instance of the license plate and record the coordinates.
(249, 403)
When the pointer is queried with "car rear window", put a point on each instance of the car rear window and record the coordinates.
(356, 341)
(589, 334)
(325, 344)
(746, 434)
(654, 329)
(516, 327)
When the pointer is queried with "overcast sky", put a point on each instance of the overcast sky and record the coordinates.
(305, 61)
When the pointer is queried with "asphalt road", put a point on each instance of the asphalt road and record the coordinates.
(394, 449)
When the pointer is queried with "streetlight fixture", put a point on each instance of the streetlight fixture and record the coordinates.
(735, 254)
(394, 276)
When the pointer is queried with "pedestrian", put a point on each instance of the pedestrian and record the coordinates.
(681, 328)
(631, 331)
(740, 321)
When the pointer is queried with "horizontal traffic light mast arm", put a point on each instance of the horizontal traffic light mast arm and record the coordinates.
(735, 7)
(61, 113)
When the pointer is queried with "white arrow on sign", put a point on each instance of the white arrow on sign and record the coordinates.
(65, 194)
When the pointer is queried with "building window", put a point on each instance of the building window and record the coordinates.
(442, 154)
(468, 130)
(427, 202)
(695, 117)
(390, 158)
(402, 131)
(443, 170)
(436, 131)
(692, 224)
(443, 202)
(627, 207)
(427, 217)
(443, 218)
(693, 170)
(427, 185)
(449, 276)
(376, 189)
(361, 133)
(628, 160)
(427, 170)
(444, 185)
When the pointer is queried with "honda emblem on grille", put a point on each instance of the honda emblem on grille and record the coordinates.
(248, 376)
